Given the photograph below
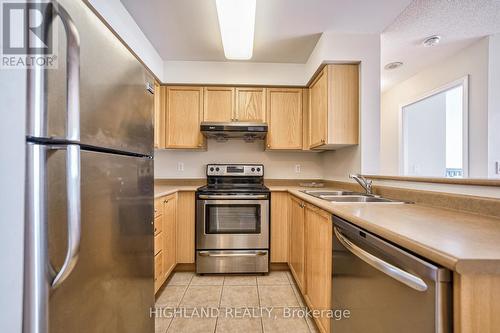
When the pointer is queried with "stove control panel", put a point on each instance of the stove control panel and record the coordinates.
(235, 170)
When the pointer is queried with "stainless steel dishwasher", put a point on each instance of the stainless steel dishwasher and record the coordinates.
(379, 287)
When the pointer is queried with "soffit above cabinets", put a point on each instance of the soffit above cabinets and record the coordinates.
(286, 31)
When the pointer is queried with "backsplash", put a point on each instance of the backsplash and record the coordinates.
(278, 164)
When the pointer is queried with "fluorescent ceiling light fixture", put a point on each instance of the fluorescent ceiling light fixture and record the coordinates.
(237, 25)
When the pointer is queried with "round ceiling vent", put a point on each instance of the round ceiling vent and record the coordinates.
(393, 65)
(431, 41)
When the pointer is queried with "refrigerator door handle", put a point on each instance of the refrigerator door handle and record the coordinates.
(72, 150)
(73, 214)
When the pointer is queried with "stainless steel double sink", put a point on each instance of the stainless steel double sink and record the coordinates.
(347, 196)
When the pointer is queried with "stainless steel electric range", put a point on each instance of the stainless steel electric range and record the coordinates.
(232, 220)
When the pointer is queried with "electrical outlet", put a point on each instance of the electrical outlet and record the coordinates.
(497, 167)
(297, 168)
(180, 166)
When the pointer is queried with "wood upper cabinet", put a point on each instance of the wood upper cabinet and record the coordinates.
(296, 259)
(318, 269)
(279, 227)
(284, 117)
(251, 105)
(184, 112)
(318, 110)
(218, 104)
(159, 128)
(334, 107)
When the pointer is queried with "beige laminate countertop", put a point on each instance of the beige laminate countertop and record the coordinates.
(464, 242)
(163, 190)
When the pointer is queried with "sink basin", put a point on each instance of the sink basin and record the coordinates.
(322, 193)
(347, 196)
(356, 198)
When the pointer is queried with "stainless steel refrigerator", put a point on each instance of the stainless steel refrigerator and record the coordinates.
(89, 183)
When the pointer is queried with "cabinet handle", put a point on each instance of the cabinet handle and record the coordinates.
(323, 140)
(268, 146)
(156, 210)
(165, 201)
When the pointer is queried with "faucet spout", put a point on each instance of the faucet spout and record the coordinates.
(363, 182)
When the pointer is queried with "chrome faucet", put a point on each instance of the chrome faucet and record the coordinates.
(365, 183)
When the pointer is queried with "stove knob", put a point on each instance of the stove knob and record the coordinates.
(258, 169)
(212, 169)
(253, 169)
(217, 169)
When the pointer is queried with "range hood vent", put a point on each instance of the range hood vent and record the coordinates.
(233, 130)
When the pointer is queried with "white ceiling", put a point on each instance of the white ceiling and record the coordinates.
(459, 23)
(286, 31)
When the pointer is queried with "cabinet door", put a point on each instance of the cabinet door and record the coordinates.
(158, 274)
(279, 227)
(343, 104)
(184, 113)
(251, 105)
(159, 128)
(296, 249)
(218, 104)
(169, 233)
(318, 262)
(284, 117)
(185, 227)
(318, 110)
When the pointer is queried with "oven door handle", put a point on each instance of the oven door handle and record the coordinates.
(252, 254)
(249, 196)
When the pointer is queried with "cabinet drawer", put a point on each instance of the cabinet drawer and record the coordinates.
(158, 207)
(158, 267)
(158, 242)
(158, 225)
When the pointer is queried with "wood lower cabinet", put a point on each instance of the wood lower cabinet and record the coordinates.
(284, 118)
(183, 113)
(170, 230)
(164, 238)
(185, 227)
(334, 107)
(279, 227)
(251, 104)
(218, 104)
(318, 251)
(296, 259)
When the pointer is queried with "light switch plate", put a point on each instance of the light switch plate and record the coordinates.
(298, 168)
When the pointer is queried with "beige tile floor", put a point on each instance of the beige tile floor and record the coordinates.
(190, 292)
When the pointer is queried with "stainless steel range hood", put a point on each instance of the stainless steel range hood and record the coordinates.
(234, 130)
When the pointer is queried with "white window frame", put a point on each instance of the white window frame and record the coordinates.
(463, 81)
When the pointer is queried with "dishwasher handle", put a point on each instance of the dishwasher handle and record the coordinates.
(396, 273)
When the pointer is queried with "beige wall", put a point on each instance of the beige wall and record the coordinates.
(278, 165)
(472, 61)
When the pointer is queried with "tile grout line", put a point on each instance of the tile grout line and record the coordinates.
(260, 305)
(218, 305)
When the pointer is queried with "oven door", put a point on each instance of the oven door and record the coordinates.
(232, 223)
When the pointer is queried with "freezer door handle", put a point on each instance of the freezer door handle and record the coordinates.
(72, 75)
(73, 202)
(396, 273)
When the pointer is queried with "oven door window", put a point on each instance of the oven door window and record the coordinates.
(232, 219)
